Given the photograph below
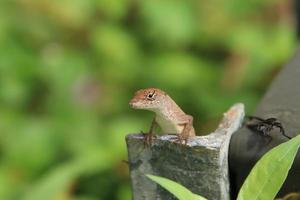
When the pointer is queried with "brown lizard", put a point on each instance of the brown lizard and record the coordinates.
(168, 115)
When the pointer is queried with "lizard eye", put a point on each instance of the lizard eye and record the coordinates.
(151, 96)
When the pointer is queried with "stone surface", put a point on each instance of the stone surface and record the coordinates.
(281, 101)
(201, 165)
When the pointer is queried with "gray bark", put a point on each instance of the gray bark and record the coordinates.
(201, 165)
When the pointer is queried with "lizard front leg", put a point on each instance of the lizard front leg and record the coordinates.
(187, 130)
(148, 137)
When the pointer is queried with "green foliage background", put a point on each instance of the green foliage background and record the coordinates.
(68, 69)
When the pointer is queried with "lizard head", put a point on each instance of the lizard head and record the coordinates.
(148, 99)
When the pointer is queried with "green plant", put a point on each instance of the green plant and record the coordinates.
(273, 168)
(179, 191)
(68, 69)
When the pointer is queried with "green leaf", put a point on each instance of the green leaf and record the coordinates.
(176, 189)
(269, 173)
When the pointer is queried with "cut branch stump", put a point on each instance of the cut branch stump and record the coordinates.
(201, 165)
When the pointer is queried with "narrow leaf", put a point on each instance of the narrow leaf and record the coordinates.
(270, 172)
(179, 191)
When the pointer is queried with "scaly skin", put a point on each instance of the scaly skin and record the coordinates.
(168, 115)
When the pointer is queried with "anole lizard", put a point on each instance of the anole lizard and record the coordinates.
(168, 115)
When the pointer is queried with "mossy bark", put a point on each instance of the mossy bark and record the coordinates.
(201, 165)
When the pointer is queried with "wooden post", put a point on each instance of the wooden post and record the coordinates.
(201, 165)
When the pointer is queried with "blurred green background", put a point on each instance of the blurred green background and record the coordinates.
(69, 67)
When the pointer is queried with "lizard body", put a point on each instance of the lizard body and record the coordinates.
(168, 115)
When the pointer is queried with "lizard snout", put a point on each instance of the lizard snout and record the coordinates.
(132, 102)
